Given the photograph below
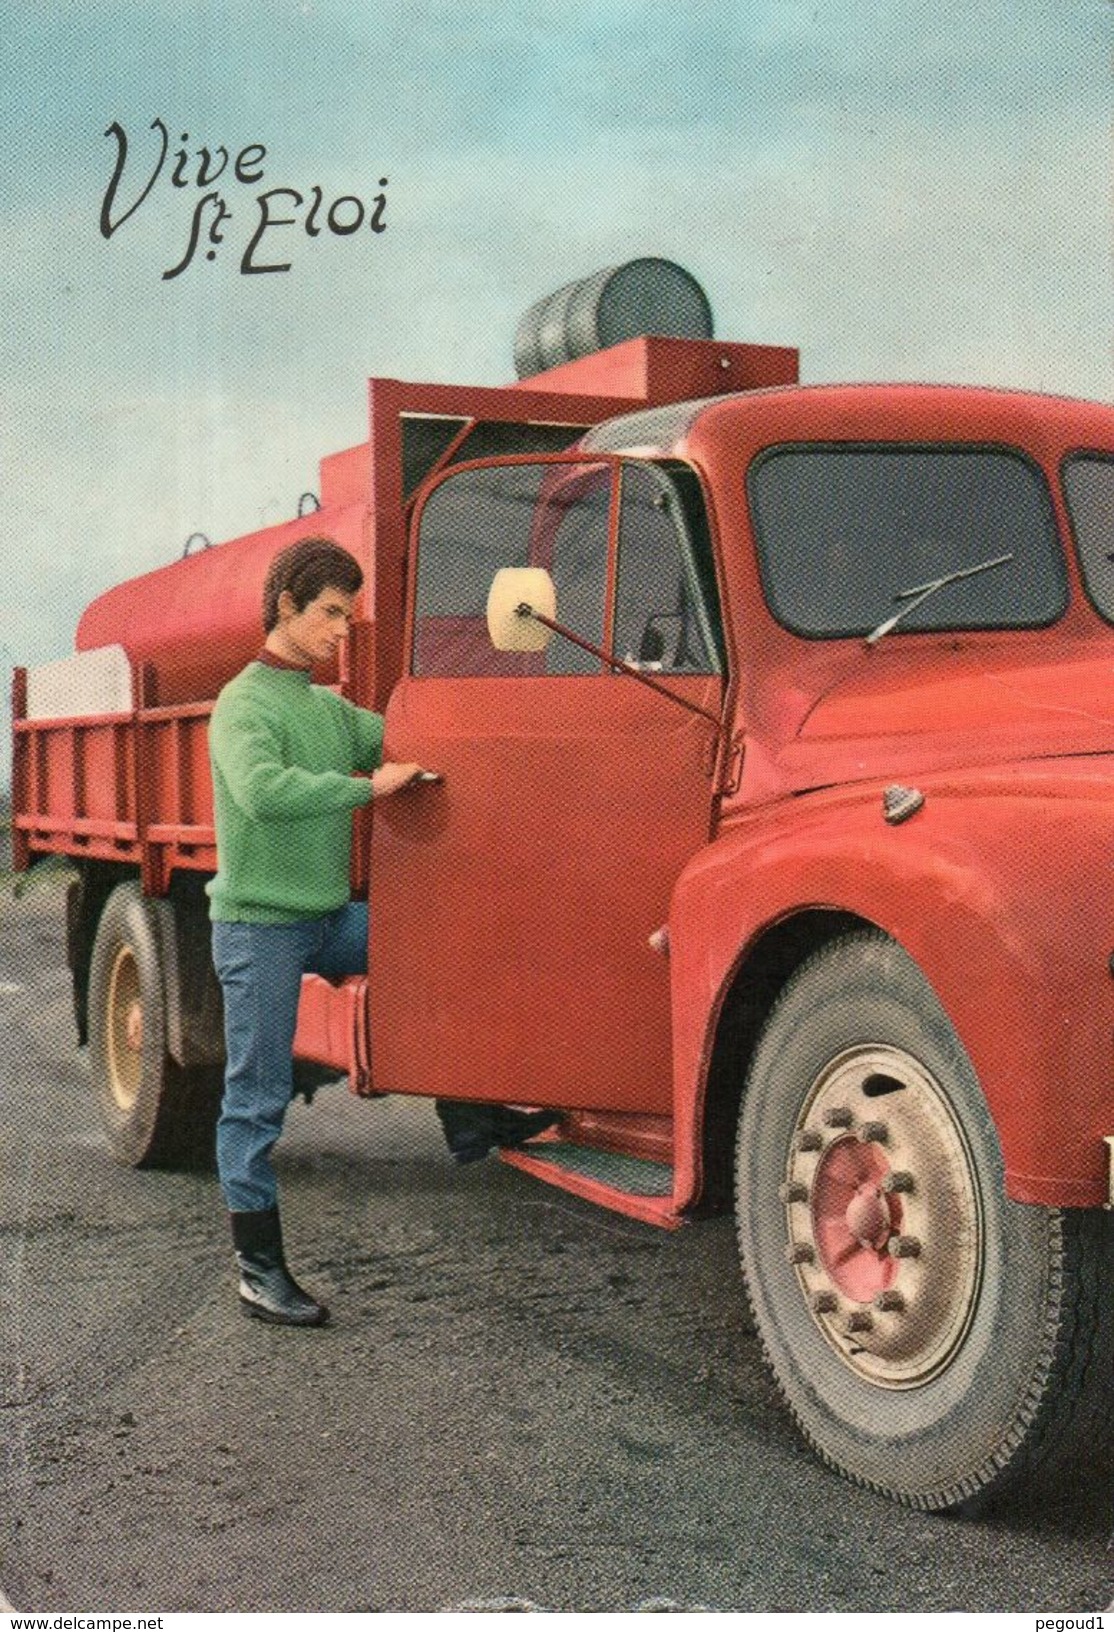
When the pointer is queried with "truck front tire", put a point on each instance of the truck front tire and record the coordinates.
(154, 1113)
(934, 1340)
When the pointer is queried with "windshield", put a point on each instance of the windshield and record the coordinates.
(1089, 486)
(848, 535)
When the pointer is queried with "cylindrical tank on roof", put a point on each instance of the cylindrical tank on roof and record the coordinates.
(644, 296)
(197, 621)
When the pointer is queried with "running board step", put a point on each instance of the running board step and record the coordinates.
(627, 1184)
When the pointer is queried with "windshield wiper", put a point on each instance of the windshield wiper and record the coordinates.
(921, 592)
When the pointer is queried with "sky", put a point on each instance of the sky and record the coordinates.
(902, 189)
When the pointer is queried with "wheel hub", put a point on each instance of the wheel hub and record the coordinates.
(125, 1029)
(133, 1028)
(868, 1216)
(882, 1215)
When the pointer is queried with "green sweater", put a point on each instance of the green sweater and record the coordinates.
(283, 754)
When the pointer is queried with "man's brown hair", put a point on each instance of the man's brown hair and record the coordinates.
(305, 569)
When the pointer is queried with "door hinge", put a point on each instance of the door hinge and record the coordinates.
(731, 766)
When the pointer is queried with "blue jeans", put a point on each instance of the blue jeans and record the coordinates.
(260, 968)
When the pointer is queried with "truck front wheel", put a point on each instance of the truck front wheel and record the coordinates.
(154, 1113)
(934, 1340)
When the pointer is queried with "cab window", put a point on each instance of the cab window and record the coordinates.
(665, 609)
(554, 516)
(1089, 488)
(662, 614)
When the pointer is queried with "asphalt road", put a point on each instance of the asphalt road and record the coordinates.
(522, 1397)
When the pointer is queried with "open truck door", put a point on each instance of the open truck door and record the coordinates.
(512, 903)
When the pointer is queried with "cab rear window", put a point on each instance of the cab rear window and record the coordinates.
(848, 537)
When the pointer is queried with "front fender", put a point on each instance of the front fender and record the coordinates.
(999, 889)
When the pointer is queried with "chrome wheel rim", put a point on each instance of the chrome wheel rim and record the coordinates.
(125, 1029)
(884, 1225)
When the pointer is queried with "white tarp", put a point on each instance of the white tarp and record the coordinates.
(94, 682)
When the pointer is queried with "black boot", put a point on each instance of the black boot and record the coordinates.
(268, 1291)
(472, 1130)
(513, 1128)
(468, 1129)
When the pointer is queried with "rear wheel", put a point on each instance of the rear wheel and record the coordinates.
(154, 1112)
(934, 1340)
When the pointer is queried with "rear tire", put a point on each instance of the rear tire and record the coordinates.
(934, 1340)
(154, 1112)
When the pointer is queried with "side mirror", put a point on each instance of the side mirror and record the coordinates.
(511, 629)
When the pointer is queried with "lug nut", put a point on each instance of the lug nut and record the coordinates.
(904, 1246)
(838, 1116)
(898, 1183)
(793, 1191)
(874, 1133)
(809, 1139)
(890, 1302)
(824, 1303)
(799, 1252)
(859, 1321)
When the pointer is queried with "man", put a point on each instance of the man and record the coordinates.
(291, 761)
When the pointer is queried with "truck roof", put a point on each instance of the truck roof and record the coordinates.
(858, 412)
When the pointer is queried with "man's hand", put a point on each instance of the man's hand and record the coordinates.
(391, 777)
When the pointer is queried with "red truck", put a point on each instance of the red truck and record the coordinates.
(786, 878)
